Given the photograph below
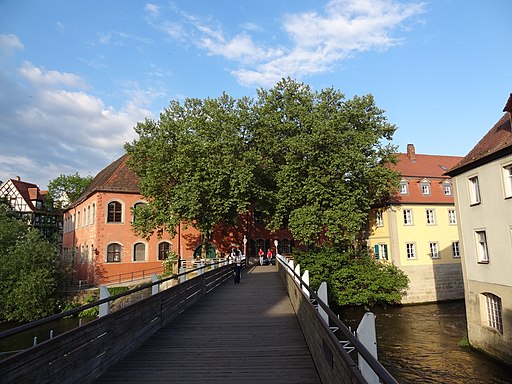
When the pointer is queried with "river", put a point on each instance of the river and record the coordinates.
(419, 344)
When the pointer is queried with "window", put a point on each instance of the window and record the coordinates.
(482, 252)
(407, 217)
(163, 250)
(494, 311)
(507, 180)
(410, 250)
(89, 215)
(447, 189)
(455, 249)
(434, 250)
(114, 253)
(139, 252)
(284, 247)
(381, 251)
(379, 220)
(452, 217)
(404, 188)
(93, 213)
(474, 190)
(84, 218)
(431, 217)
(114, 213)
(425, 187)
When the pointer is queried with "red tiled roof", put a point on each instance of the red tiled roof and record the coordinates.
(497, 140)
(28, 191)
(117, 177)
(417, 167)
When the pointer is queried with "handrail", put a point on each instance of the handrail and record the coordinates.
(374, 364)
(74, 311)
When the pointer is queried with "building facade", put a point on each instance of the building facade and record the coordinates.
(101, 247)
(418, 232)
(483, 184)
(30, 203)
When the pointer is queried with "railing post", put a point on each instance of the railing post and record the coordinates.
(367, 336)
(155, 288)
(105, 307)
(322, 295)
(182, 271)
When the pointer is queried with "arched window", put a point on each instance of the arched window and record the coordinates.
(163, 250)
(139, 252)
(114, 212)
(114, 253)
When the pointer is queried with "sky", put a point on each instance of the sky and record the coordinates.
(77, 76)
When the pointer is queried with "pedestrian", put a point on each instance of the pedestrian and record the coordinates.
(260, 254)
(238, 265)
(269, 256)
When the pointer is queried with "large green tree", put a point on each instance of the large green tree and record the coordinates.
(194, 165)
(323, 157)
(29, 273)
(65, 189)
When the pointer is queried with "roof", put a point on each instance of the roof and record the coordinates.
(495, 144)
(417, 167)
(29, 192)
(117, 177)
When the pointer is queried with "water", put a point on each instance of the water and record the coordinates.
(419, 344)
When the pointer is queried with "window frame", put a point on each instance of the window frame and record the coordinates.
(435, 252)
(456, 249)
(408, 217)
(382, 251)
(136, 252)
(475, 195)
(482, 247)
(114, 253)
(452, 218)
(494, 311)
(115, 212)
(404, 187)
(379, 218)
(507, 180)
(163, 254)
(410, 249)
(430, 216)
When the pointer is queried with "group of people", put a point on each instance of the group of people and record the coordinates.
(268, 257)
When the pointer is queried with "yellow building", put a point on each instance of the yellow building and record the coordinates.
(418, 231)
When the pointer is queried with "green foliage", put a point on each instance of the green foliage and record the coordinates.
(313, 161)
(169, 262)
(354, 278)
(29, 274)
(193, 165)
(66, 189)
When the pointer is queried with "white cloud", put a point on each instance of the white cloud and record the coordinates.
(10, 42)
(42, 77)
(152, 9)
(319, 40)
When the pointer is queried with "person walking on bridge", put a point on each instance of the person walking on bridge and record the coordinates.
(238, 264)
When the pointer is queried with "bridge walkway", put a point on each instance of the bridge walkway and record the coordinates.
(245, 333)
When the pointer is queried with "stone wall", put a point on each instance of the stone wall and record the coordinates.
(431, 283)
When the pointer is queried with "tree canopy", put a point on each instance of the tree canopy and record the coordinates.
(65, 189)
(29, 273)
(311, 160)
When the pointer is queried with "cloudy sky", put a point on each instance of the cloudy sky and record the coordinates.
(76, 76)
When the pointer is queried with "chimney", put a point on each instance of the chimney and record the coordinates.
(411, 153)
(18, 178)
(508, 109)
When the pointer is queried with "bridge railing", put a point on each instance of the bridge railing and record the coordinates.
(80, 355)
(331, 343)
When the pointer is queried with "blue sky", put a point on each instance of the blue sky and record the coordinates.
(76, 76)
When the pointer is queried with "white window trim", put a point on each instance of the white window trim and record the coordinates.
(507, 180)
(458, 249)
(379, 218)
(410, 216)
(433, 218)
(475, 194)
(413, 251)
(434, 254)
(482, 248)
(145, 252)
(454, 221)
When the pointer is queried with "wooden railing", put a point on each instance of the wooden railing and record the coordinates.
(82, 354)
(328, 342)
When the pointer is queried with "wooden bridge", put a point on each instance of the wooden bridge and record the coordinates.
(203, 330)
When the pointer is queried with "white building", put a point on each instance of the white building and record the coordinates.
(483, 187)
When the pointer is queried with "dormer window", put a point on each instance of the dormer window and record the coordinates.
(404, 187)
(447, 188)
(425, 187)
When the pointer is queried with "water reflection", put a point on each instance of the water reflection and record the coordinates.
(419, 344)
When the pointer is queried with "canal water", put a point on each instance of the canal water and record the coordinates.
(419, 344)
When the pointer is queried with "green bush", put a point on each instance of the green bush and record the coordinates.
(354, 278)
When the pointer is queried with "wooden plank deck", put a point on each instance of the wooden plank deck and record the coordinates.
(245, 333)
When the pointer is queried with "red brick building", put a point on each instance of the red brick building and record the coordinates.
(101, 247)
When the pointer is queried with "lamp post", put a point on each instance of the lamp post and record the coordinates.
(276, 243)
